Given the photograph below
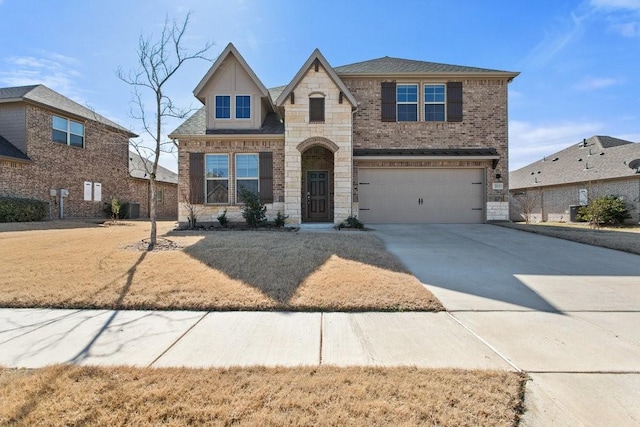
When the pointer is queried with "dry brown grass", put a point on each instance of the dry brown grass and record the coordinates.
(240, 270)
(625, 238)
(70, 395)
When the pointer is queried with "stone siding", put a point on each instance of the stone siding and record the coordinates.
(337, 128)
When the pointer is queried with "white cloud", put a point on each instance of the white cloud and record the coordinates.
(58, 72)
(594, 83)
(617, 4)
(529, 142)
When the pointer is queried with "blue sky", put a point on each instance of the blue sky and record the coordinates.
(579, 60)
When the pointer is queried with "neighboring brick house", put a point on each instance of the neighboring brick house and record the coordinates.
(594, 167)
(166, 187)
(387, 140)
(49, 143)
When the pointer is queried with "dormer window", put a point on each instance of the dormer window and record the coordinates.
(223, 107)
(316, 110)
(243, 107)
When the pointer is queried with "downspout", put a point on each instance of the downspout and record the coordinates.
(353, 113)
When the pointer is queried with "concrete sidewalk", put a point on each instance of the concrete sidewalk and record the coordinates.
(33, 338)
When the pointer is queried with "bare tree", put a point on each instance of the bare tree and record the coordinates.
(192, 207)
(158, 62)
(526, 203)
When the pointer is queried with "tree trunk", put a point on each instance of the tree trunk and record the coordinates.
(152, 213)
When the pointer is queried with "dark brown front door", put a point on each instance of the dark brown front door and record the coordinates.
(318, 196)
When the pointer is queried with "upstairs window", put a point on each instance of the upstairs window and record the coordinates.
(68, 132)
(217, 176)
(434, 103)
(223, 107)
(243, 107)
(407, 103)
(316, 110)
(247, 173)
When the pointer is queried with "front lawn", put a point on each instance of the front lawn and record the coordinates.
(71, 395)
(99, 267)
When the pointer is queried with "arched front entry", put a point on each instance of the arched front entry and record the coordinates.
(317, 180)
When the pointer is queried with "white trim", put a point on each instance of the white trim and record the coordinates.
(228, 178)
(235, 173)
(235, 106)
(416, 103)
(426, 157)
(425, 103)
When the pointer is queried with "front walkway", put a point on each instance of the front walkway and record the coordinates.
(34, 338)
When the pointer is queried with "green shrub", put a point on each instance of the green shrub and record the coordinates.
(253, 210)
(351, 222)
(279, 220)
(605, 210)
(222, 218)
(15, 209)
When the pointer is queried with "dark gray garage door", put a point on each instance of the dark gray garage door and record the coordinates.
(421, 196)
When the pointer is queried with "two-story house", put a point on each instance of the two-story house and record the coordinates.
(58, 151)
(387, 140)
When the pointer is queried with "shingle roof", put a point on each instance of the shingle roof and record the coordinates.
(10, 151)
(599, 157)
(40, 94)
(275, 92)
(388, 65)
(197, 125)
(137, 169)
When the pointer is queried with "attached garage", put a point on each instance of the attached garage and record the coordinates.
(421, 195)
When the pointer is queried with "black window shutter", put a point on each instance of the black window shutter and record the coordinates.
(388, 101)
(454, 101)
(266, 177)
(316, 110)
(196, 178)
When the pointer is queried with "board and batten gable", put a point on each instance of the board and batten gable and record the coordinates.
(231, 79)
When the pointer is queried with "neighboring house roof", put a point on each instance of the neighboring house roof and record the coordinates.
(596, 158)
(42, 95)
(9, 151)
(316, 56)
(197, 125)
(230, 50)
(137, 169)
(395, 66)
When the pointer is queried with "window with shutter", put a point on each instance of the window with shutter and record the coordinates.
(454, 101)
(196, 178)
(388, 101)
(316, 110)
(266, 177)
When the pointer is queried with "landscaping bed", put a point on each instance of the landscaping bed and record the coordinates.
(71, 395)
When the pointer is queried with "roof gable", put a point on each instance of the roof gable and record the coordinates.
(42, 95)
(595, 158)
(316, 55)
(394, 66)
(229, 50)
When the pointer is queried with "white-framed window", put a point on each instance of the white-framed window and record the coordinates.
(434, 102)
(407, 102)
(243, 106)
(67, 132)
(159, 196)
(247, 173)
(223, 107)
(217, 178)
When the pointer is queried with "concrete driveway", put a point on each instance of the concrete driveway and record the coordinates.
(565, 312)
